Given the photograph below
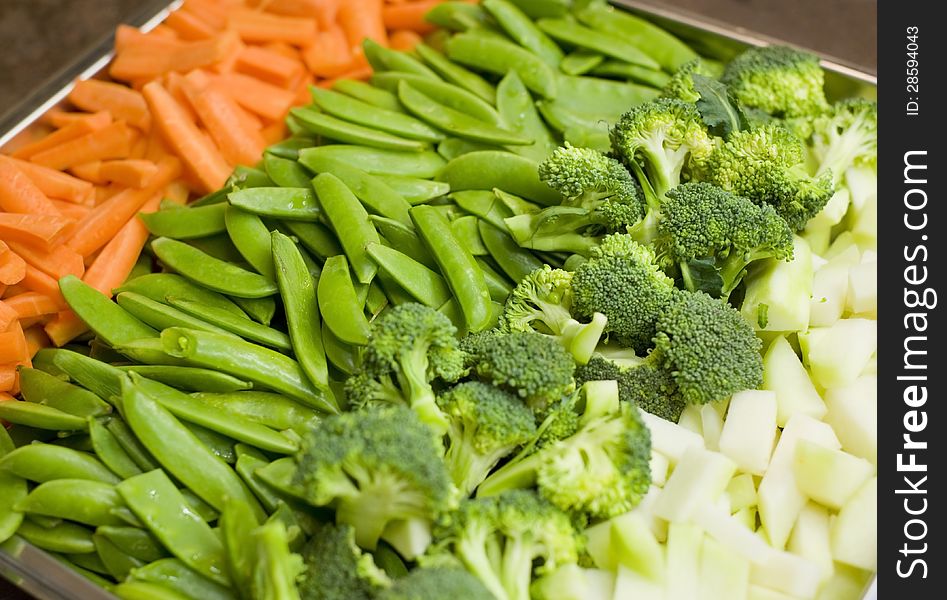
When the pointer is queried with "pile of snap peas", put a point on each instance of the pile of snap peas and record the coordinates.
(155, 457)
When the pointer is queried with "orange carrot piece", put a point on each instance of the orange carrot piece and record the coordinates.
(106, 219)
(53, 183)
(70, 132)
(189, 26)
(283, 49)
(174, 82)
(113, 141)
(116, 260)
(264, 99)
(360, 20)
(361, 73)
(94, 95)
(324, 11)
(210, 12)
(268, 65)
(202, 158)
(18, 193)
(31, 304)
(409, 16)
(64, 328)
(177, 192)
(330, 53)
(41, 231)
(36, 281)
(57, 262)
(75, 212)
(90, 172)
(13, 345)
(134, 173)
(8, 380)
(59, 118)
(303, 96)
(7, 315)
(256, 26)
(139, 61)
(239, 144)
(12, 267)
(36, 340)
(274, 132)
(404, 39)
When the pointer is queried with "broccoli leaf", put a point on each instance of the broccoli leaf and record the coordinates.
(702, 275)
(721, 113)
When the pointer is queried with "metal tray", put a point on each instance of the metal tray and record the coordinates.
(40, 575)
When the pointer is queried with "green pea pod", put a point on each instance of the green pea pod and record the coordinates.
(261, 310)
(580, 62)
(484, 205)
(247, 177)
(130, 444)
(393, 291)
(74, 441)
(80, 500)
(276, 567)
(524, 32)
(496, 169)
(140, 590)
(110, 452)
(252, 239)
(373, 193)
(248, 461)
(236, 525)
(65, 537)
(453, 147)
(584, 137)
(499, 285)
(266, 408)
(516, 262)
(210, 272)
(279, 475)
(159, 315)
(260, 365)
(389, 121)
(589, 100)
(456, 74)
(448, 94)
(405, 239)
(116, 562)
(425, 285)
(572, 33)
(468, 234)
(519, 113)
(173, 574)
(537, 9)
(46, 462)
(126, 516)
(385, 59)
(108, 320)
(220, 445)
(456, 264)
(149, 351)
(245, 328)
(40, 416)
(315, 237)
(190, 378)
(368, 94)
(218, 246)
(186, 223)
(350, 222)
(414, 190)
(636, 73)
(285, 172)
(375, 300)
(498, 56)
(90, 563)
(378, 161)
(338, 303)
(341, 355)
(290, 148)
(215, 197)
(459, 16)
(160, 286)
(13, 490)
(294, 204)
(516, 205)
(179, 450)
(333, 128)
(135, 542)
(39, 387)
(451, 310)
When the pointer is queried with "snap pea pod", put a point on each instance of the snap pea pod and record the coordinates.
(90, 563)
(375, 300)
(459, 16)
(593, 99)
(185, 223)
(293, 204)
(245, 328)
(108, 320)
(537, 9)
(516, 262)
(341, 130)
(519, 113)
(159, 315)
(350, 221)
(338, 302)
(276, 567)
(130, 444)
(210, 272)
(373, 193)
(65, 537)
(285, 172)
(499, 285)
(341, 355)
(576, 35)
(40, 416)
(126, 516)
(43, 521)
(190, 378)
(218, 246)
(390, 121)
(484, 205)
(81, 500)
(260, 365)
(141, 590)
(516, 205)
(201, 508)
(39, 387)
(261, 310)
(368, 94)
(494, 169)
(580, 62)
(453, 147)
(587, 137)
(637, 73)
(179, 450)
(425, 285)
(116, 562)
(498, 56)
(251, 238)
(385, 59)
(149, 351)
(289, 148)
(135, 542)
(110, 452)
(46, 462)
(298, 291)
(173, 574)
(393, 291)
(73, 441)
(405, 239)
(378, 161)
(315, 237)
(524, 31)
(266, 408)
(456, 74)
(414, 190)
(220, 445)
(456, 264)
(160, 506)
(13, 490)
(249, 460)
(160, 286)
(279, 475)
(448, 94)
(236, 523)
(247, 177)
(468, 234)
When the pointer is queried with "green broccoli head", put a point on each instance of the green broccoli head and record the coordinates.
(622, 281)
(782, 81)
(707, 346)
(681, 85)
(767, 165)
(648, 386)
(376, 468)
(437, 583)
(847, 136)
(487, 423)
(410, 346)
(337, 569)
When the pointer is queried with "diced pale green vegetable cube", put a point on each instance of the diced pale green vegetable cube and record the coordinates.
(750, 430)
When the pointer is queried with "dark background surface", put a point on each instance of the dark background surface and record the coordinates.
(38, 38)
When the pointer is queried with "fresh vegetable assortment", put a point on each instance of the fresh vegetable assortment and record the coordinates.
(549, 307)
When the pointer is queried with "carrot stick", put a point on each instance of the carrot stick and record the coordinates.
(36, 340)
(189, 26)
(30, 304)
(174, 82)
(90, 172)
(64, 328)
(409, 15)
(274, 132)
(13, 345)
(256, 26)
(113, 264)
(7, 315)
(239, 143)
(361, 73)
(134, 173)
(53, 183)
(59, 118)
(36, 281)
(202, 158)
(330, 54)
(360, 20)
(69, 132)
(268, 65)
(177, 192)
(41, 231)
(404, 39)
(93, 95)
(163, 31)
(58, 262)
(113, 141)
(75, 212)
(18, 193)
(208, 11)
(264, 99)
(12, 267)
(8, 378)
(139, 61)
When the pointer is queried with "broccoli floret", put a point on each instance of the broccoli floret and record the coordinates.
(533, 366)
(703, 222)
(376, 468)
(437, 583)
(647, 385)
(708, 347)
(486, 424)
(337, 569)
(503, 540)
(623, 281)
(782, 81)
(542, 302)
(681, 85)
(599, 196)
(767, 165)
(846, 137)
(410, 346)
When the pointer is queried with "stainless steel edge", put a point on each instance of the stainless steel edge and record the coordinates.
(42, 576)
